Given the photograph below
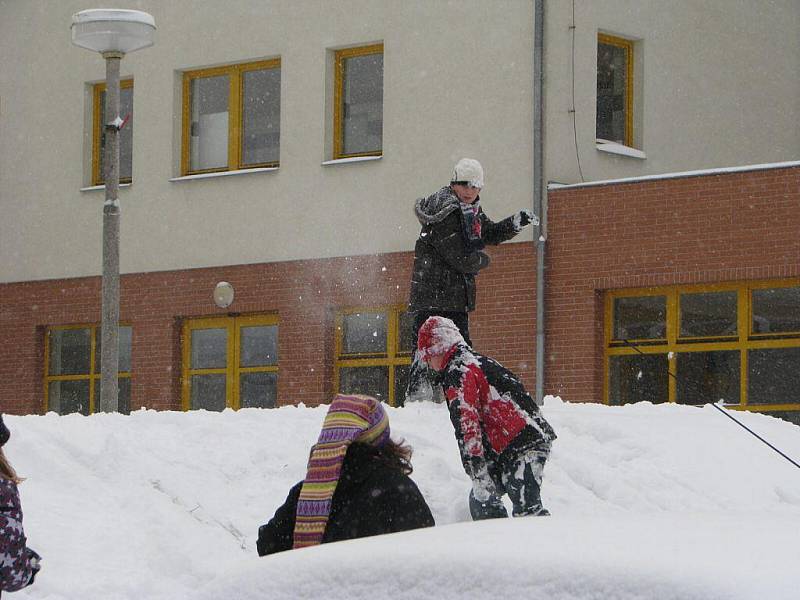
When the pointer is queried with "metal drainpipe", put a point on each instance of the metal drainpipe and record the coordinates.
(539, 190)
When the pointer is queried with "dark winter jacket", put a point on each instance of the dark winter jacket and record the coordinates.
(371, 498)
(494, 417)
(445, 262)
(16, 570)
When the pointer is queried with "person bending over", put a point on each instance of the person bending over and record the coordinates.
(503, 438)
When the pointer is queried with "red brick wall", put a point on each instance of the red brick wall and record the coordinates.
(702, 229)
(305, 294)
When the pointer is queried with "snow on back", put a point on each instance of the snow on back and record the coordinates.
(647, 502)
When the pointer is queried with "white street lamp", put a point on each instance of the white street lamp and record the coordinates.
(113, 33)
(113, 30)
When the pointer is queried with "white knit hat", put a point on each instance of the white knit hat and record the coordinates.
(470, 171)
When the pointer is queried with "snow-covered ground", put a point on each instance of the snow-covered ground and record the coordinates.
(648, 502)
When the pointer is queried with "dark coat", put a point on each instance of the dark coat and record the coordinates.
(494, 417)
(16, 570)
(445, 263)
(371, 498)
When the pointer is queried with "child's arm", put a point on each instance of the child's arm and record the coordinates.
(277, 535)
(16, 570)
(464, 400)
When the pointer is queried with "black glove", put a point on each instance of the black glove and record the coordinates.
(526, 217)
(484, 260)
(36, 563)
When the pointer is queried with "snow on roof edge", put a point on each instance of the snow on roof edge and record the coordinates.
(677, 175)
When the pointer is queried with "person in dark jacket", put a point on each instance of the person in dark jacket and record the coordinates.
(357, 484)
(502, 436)
(18, 563)
(449, 254)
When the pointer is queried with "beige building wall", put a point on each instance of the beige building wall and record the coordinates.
(716, 86)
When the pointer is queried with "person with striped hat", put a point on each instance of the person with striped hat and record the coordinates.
(357, 484)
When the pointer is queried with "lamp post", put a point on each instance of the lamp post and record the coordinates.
(113, 33)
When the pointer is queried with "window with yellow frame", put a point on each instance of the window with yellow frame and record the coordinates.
(358, 102)
(231, 117)
(99, 132)
(72, 368)
(737, 342)
(614, 90)
(373, 352)
(230, 362)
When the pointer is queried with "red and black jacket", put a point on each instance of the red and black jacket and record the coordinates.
(494, 417)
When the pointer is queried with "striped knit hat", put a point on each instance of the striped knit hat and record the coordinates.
(350, 418)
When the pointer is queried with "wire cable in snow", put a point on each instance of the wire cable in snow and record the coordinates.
(720, 409)
(731, 417)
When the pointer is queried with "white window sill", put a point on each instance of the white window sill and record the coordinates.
(354, 159)
(620, 150)
(225, 174)
(94, 188)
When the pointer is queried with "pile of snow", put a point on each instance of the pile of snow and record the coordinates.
(648, 502)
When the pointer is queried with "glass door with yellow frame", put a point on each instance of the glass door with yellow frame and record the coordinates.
(230, 362)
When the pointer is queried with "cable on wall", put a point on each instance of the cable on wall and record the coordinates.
(572, 110)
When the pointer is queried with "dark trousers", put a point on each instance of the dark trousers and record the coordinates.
(419, 381)
(522, 481)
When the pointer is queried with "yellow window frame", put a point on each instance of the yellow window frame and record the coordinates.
(392, 358)
(92, 376)
(743, 341)
(233, 325)
(627, 46)
(235, 74)
(340, 57)
(97, 129)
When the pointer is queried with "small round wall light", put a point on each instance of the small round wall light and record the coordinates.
(223, 294)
